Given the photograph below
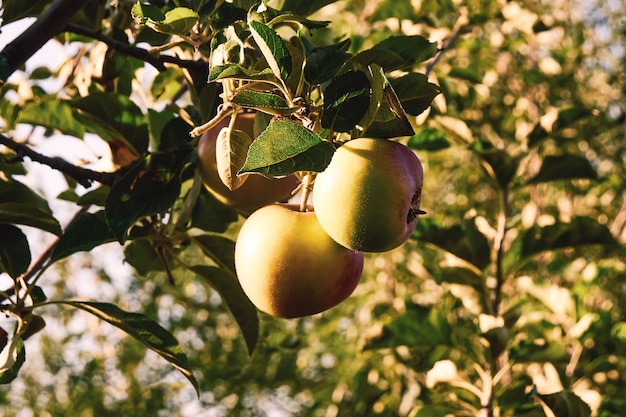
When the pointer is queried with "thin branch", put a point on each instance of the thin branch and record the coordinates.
(83, 176)
(48, 25)
(157, 61)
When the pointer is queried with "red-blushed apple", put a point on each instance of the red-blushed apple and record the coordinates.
(289, 267)
(368, 198)
(257, 190)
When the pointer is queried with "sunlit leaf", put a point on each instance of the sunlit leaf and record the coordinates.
(263, 101)
(346, 100)
(83, 234)
(231, 148)
(428, 139)
(178, 21)
(10, 374)
(242, 309)
(14, 251)
(52, 114)
(145, 330)
(564, 167)
(238, 72)
(565, 404)
(286, 147)
(26, 215)
(273, 48)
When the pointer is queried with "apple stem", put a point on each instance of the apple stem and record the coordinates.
(307, 187)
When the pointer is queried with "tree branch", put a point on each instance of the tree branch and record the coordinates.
(157, 61)
(83, 176)
(49, 24)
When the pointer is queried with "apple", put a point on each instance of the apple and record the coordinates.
(368, 198)
(257, 190)
(289, 267)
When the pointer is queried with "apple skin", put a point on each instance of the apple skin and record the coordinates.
(368, 197)
(289, 267)
(257, 191)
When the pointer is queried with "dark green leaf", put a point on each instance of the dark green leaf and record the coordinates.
(419, 326)
(463, 240)
(211, 215)
(34, 326)
(412, 49)
(564, 167)
(142, 256)
(16, 192)
(415, 92)
(286, 147)
(52, 114)
(228, 287)
(528, 350)
(150, 187)
(145, 330)
(466, 74)
(391, 120)
(579, 231)
(273, 48)
(10, 165)
(537, 135)
(14, 251)
(17, 9)
(219, 249)
(346, 100)
(499, 163)
(565, 404)
(114, 116)
(429, 139)
(5, 70)
(567, 117)
(387, 60)
(83, 234)
(304, 8)
(265, 102)
(323, 63)
(19, 213)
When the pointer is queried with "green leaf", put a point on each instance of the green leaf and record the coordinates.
(82, 235)
(238, 72)
(528, 350)
(150, 187)
(415, 92)
(211, 215)
(219, 249)
(14, 251)
(141, 255)
(387, 60)
(286, 147)
(565, 404)
(17, 9)
(9, 165)
(5, 70)
(228, 287)
(145, 330)
(52, 114)
(304, 8)
(16, 192)
(178, 21)
(499, 163)
(538, 134)
(429, 139)
(412, 49)
(463, 240)
(266, 102)
(27, 215)
(391, 120)
(297, 22)
(10, 374)
(273, 48)
(418, 326)
(467, 74)
(346, 100)
(569, 116)
(564, 167)
(322, 64)
(579, 231)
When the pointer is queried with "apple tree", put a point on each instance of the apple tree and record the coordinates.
(119, 285)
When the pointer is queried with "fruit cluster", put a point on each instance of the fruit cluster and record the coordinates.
(299, 260)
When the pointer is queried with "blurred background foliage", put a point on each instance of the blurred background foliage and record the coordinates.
(512, 288)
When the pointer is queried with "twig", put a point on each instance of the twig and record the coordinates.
(157, 61)
(83, 176)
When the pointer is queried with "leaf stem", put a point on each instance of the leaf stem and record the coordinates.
(307, 187)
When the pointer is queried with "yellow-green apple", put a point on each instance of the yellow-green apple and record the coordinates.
(289, 267)
(368, 198)
(257, 190)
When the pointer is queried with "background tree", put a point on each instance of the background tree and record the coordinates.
(508, 299)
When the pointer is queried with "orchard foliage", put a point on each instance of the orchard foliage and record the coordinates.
(507, 301)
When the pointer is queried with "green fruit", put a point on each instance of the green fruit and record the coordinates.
(368, 198)
(257, 190)
(289, 267)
